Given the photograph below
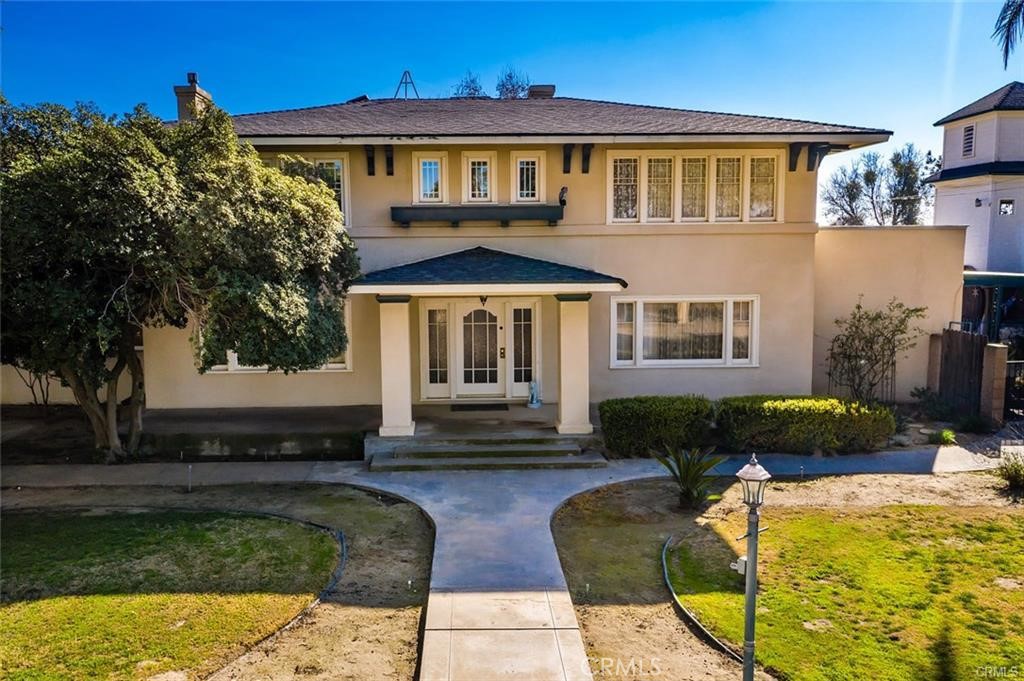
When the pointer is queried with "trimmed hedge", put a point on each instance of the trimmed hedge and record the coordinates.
(633, 426)
(802, 425)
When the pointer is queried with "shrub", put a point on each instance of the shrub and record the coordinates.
(942, 437)
(932, 404)
(690, 470)
(974, 423)
(633, 426)
(802, 425)
(1011, 470)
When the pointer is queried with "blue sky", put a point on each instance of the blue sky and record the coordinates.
(899, 66)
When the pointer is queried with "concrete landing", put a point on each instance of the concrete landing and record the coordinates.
(479, 636)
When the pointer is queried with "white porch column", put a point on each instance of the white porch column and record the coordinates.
(574, 364)
(395, 367)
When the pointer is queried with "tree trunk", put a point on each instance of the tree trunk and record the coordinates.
(85, 395)
(115, 451)
(137, 399)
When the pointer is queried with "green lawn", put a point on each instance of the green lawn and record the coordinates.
(129, 595)
(897, 593)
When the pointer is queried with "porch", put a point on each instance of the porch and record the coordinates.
(484, 328)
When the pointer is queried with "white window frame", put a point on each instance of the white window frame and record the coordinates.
(711, 157)
(974, 140)
(234, 368)
(540, 158)
(675, 188)
(492, 176)
(727, 361)
(417, 176)
(346, 177)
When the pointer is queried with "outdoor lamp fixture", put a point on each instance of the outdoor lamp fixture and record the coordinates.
(754, 479)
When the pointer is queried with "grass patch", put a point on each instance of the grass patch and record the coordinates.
(895, 593)
(129, 595)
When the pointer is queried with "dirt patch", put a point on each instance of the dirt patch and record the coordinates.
(367, 627)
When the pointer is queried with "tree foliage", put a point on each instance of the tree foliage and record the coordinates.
(512, 84)
(867, 345)
(112, 224)
(875, 190)
(469, 86)
(1009, 30)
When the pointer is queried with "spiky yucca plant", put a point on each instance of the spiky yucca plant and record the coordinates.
(690, 471)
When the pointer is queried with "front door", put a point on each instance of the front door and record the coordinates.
(480, 349)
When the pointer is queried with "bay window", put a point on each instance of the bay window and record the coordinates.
(677, 331)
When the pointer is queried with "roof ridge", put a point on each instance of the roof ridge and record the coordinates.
(303, 108)
(1009, 87)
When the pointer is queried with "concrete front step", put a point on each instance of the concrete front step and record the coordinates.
(457, 449)
(390, 462)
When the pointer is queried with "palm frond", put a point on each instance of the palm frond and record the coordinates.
(1009, 29)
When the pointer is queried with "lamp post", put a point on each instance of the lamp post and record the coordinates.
(754, 479)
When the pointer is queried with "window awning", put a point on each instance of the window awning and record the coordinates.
(484, 271)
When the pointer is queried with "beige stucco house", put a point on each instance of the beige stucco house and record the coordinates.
(586, 249)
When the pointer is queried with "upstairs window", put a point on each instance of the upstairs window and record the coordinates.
(528, 177)
(332, 172)
(967, 150)
(659, 188)
(728, 185)
(695, 188)
(625, 188)
(478, 177)
(430, 179)
(762, 188)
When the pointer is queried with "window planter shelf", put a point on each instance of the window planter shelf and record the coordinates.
(406, 215)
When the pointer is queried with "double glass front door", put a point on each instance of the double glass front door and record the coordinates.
(479, 348)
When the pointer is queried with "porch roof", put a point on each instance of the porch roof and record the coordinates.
(483, 270)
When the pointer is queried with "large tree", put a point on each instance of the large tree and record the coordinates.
(1009, 28)
(880, 191)
(112, 224)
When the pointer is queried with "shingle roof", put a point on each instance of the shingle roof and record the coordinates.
(481, 265)
(494, 117)
(1010, 97)
(978, 170)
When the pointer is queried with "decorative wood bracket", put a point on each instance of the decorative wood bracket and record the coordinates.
(389, 159)
(815, 152)
(794, 155)
(371, 167)
(567, 158)
(585, 157)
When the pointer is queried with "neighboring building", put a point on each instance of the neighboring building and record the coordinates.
(981, 183)
(591, 248)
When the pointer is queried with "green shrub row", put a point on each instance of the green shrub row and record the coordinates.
(634, 426)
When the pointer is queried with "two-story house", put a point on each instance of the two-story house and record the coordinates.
(981, 183)
(579, 249)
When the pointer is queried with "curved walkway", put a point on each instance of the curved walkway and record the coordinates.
(498, 606)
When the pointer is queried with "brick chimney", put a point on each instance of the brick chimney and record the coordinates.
(191, 97)
(540, 92)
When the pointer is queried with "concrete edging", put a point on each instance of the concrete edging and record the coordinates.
(688, 617)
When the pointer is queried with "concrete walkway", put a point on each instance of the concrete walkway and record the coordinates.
(498, 607)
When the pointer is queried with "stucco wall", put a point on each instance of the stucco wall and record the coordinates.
(14, 391)
(920, 266)
(994, 242)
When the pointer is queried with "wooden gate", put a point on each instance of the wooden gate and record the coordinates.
(960, 372)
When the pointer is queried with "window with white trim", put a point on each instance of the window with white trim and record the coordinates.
(695, 186)
(528, 177)
(332, 172)
(728, 187)
(430, 181)
(625, 188)
(340, 362)
(762, 188)
(967, 146)
(659, 188)
(478, 177)
(679, 331)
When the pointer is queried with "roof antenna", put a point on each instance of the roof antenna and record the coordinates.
(406, 82)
